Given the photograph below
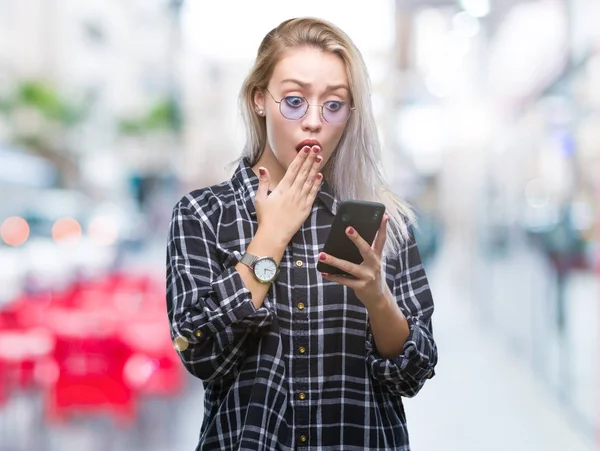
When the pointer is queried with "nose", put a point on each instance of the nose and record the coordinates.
(312, 121)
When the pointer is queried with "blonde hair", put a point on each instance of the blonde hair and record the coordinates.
(354, 170)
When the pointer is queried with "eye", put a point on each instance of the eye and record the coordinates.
(294, 101)
(334, 105)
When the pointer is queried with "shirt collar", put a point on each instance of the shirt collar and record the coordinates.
(246, 180)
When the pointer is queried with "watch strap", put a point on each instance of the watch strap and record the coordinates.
(248, 259)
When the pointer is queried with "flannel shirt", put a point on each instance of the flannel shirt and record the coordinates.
(302, 371)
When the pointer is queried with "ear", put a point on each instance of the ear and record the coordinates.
(259, 99)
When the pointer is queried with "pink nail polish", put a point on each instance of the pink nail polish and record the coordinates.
(350, 231)
(322, 257)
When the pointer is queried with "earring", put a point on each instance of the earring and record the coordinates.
(259, 112)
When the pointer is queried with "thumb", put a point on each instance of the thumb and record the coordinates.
(263, 183)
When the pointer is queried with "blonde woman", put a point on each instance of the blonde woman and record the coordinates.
(291, 358)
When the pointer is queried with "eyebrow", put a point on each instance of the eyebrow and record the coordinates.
(304, 84)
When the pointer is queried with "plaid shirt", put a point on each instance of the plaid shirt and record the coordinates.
(302, 371)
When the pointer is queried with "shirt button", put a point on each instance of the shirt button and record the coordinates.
(301, 305)
(302, 396)
(303, 438)
(299, 263)
(180, 343)
(301, 349)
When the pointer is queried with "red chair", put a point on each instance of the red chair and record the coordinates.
(90, 363)
(154, 368)
(22, 346)
(20, 352)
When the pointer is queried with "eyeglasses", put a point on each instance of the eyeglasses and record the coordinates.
(296, 107)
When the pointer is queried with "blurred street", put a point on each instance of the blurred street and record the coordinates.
(484, 389)
(485, 396)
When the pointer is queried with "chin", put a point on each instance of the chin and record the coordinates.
(286, 160)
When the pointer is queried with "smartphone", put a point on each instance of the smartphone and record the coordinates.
(365, 217)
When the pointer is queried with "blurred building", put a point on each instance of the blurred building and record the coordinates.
(213, 134)
(114, 65)
(498, 103)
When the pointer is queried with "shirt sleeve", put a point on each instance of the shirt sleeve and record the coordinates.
(210, 310)
(406, 374)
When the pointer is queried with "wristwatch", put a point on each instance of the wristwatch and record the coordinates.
(265, 269)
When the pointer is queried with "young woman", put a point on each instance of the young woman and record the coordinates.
(291, 358)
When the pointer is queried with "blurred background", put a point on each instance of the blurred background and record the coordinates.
(110, 111)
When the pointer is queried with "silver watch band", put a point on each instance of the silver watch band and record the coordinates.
(248, 259)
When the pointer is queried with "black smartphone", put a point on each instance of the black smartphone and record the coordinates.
(365, 217)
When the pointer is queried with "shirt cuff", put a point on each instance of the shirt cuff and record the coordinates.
(415, 360)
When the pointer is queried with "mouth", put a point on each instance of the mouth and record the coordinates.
(307, 142)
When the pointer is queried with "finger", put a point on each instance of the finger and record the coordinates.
(263, 184)
(364, 248)
(310, 180)
(381, 236)
(307, 165)
(346, 266)
(342, 280)
(315, 189)
(294, 167)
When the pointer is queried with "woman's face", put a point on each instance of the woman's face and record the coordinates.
(320, 77)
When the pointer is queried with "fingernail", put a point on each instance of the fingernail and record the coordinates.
(322, 256)
(350, 231)
(261, 171)
(306, 149)
(319, 159)
(319, 176)
(324, 274)
(316, 149)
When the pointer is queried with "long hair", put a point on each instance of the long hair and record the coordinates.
(354, 170)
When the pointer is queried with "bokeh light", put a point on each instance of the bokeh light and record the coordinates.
(103, 231)
(14, 231)
(66, 230)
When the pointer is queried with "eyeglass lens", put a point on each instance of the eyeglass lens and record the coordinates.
(334, 111)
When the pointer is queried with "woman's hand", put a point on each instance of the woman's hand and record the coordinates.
(283, 212)
(368, 285)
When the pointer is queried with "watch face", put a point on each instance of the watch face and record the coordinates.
(265, 269)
